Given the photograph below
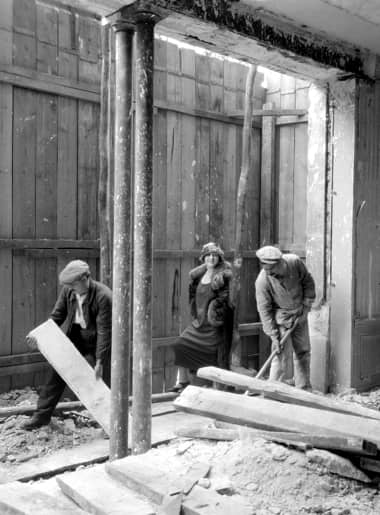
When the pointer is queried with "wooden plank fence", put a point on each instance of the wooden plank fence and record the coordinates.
(49, 102)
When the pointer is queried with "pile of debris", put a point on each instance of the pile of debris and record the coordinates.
(342, 436)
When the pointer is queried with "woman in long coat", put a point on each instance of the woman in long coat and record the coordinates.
(207, 340)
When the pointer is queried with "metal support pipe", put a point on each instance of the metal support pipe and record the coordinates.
(122, 246)
(143, 258)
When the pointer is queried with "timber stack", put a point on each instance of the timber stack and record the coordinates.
(337, 434)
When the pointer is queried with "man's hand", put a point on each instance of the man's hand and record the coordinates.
(31, 342)
(277, 345)
(304, 314)
(98, 370)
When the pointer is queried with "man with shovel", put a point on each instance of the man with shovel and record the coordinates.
(285, 291)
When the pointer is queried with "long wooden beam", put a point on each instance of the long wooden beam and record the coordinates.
(273, 415)
(285, 393)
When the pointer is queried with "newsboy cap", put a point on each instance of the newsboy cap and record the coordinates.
(269, 254)
(211, 248)
(74, 271)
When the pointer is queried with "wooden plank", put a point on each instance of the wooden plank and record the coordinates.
(6, 129)
(273, 415)
(267, 180)
(285, 171)
(75, 370)
(272, 112)
(285, 393)
(47, 243)
(46, 167)
(67, 169)
(300, 173)
(24, 154)
(95, 491)
(25, 77)
(21, 499)
(45, 288)
(206, 502)
(87, 170)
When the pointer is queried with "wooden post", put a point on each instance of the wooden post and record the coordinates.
(104, 233)
(240, 213)
(110, 142)
(143, 257)
(121, 246)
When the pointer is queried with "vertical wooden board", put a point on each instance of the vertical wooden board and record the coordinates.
(202, 183)
(24, 15)
(46, 167)
(216, 182)
(47, 58)
(173, 276)
(202, 169)
(188, 62)
(188, 164)
(46, 288)
(89, 38)
(66, 30)
(170, 374)
(173, 192)
(267, 186)
(47, 24)
(158, 366)
(230, 173)
(285, 166)
(67, 170)
(217, 71)
(87, 170)
(6, 124)
(6, 15)
(68, 65)
(24, 51)
(24, 301)
(186, 265)
(24, 154)
(89, 71)
(159, 180)
(300, 172)
(160, 299)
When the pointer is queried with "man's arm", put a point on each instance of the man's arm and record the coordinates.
(266, 309)
(308, 285)
(59, 313)
(103, 329)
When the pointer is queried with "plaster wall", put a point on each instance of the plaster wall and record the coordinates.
(316, 234)
(343, 148)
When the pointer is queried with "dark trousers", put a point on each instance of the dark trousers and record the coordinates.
(55, 385)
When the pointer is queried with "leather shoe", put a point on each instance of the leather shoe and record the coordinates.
(179, 387)
(35, 422)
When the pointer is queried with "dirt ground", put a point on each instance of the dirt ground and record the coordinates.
(270, 478)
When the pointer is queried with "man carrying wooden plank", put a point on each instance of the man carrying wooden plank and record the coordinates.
(285, 291)
(84, 313)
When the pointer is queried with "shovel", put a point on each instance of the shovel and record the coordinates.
(264, 368)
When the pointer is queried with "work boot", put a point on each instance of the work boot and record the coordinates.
(35, 422)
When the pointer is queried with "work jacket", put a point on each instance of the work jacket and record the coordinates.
(97, 313)
(281, 299)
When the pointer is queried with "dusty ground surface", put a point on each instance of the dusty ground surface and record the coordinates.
(271, 478)
(67, 430)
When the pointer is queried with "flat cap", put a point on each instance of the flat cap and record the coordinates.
(74, 271)
(269, 254)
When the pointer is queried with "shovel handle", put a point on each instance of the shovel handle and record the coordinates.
(274, 353)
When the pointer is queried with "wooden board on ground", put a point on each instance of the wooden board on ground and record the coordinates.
(97, 492)
(95, 452)
(21, 499)
(75, 371)
(285, 393)
(153, 483)
(273, 415)
(207, 502)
